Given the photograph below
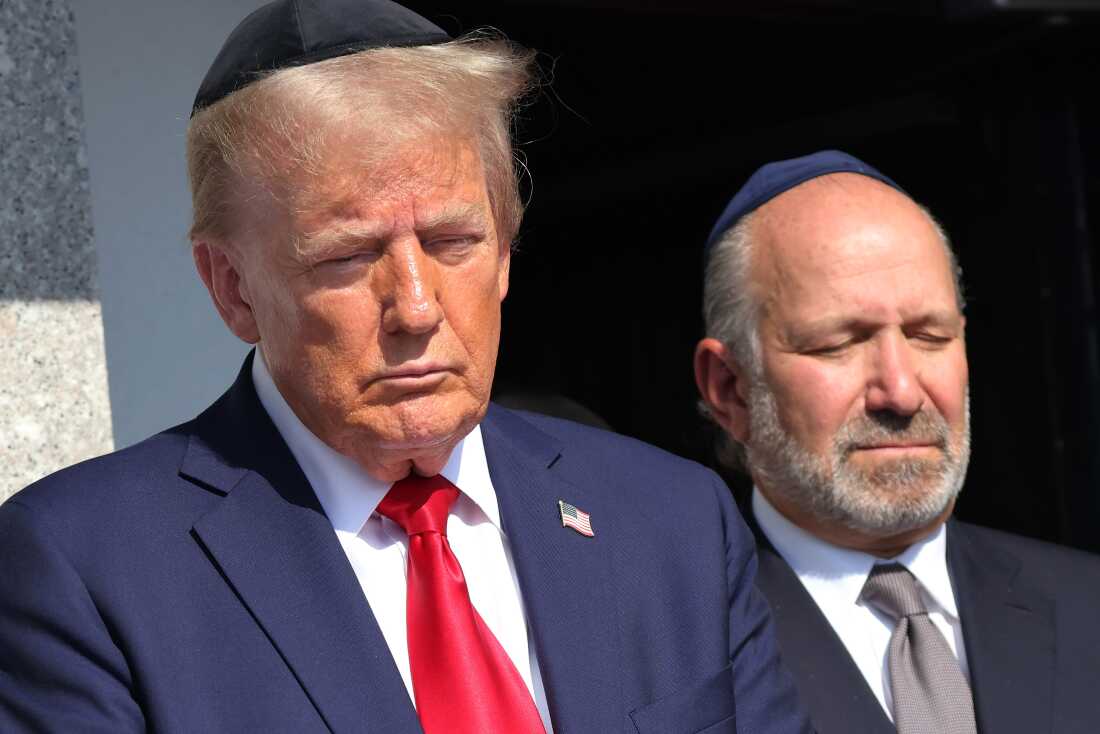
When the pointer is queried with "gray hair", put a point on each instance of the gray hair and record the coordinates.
(731, 311)
(258, 136)
(730, 308)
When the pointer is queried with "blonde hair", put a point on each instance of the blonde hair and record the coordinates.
(262, 134)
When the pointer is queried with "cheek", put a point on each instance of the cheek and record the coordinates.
(945, 380)
(476, 324)
(277, 314)
(472, 303)
(814, 399)
(329, 322)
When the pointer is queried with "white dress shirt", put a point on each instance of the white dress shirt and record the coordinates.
(377, 547)
(834, 577)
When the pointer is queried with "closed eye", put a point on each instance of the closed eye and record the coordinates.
(842, 344)
(455, 241)
(829, 350)
(452, 249)
(355, 257)
(931, 340)
(345, 262)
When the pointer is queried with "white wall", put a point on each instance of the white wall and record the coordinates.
(141, 61)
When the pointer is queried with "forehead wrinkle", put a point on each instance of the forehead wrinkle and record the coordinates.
(357, 170)
(828, 295)
(854, 263)
(353, 176)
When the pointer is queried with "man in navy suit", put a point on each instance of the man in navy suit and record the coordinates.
(835, 362)
(352, 539)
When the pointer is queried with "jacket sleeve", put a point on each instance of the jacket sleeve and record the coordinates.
(763, 688)
(60, 669)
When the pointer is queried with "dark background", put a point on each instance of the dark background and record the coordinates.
(658, 111)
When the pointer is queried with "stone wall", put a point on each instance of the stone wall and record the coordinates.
(54, 408)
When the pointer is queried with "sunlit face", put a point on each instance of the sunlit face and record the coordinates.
(858, 416)
(375, 297)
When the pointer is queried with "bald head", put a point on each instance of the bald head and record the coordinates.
(830, 204)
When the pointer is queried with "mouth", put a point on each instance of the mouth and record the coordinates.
(415, 376)
(897, 447)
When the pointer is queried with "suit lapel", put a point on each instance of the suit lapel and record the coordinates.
(1009, 633)
(828, 680)
(565, 577)
(273, 544)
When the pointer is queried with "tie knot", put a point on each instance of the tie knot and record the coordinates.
(420, 504)
(892, 590)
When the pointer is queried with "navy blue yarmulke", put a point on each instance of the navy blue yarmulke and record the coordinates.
(772, 179)
(294, 32)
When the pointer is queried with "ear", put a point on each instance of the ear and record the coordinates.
(724, 387)
(222, 277)
(504, 267)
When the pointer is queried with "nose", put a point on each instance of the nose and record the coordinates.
(410, 300)
(894, 384)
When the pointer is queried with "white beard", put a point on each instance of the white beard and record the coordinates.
(893, 497)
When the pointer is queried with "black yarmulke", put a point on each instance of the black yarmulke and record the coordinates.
(773, 179)
(294, 32)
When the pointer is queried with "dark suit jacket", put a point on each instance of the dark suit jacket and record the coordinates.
(1030, 613)
(192, 583)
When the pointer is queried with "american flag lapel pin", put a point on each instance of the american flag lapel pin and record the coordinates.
(579, 520)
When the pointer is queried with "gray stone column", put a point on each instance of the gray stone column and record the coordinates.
(54, 408)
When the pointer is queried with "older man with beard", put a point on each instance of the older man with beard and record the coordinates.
(835, 362)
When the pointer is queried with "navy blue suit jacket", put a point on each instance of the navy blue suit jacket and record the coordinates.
(192, 583)
(1030, 613)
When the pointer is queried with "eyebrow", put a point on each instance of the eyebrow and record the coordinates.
(935, 318)
(461, 214)
(345, 236)
(337, 239)
(829, 325)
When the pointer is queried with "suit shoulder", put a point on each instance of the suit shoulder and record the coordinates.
(1049, 560)
(90, 485)
(608, 447)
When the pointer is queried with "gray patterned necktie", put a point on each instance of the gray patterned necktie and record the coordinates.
(931, 694)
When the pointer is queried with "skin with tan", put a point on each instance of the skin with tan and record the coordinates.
(858, 316)
(374, 296)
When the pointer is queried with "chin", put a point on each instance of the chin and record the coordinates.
(428, 424)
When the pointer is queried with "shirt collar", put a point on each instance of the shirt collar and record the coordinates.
(348, 494)
(827, 569)
(927, 560)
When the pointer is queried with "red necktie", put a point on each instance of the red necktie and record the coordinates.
(463, 680)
